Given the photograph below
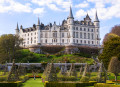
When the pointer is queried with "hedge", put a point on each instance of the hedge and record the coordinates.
(68, 84)
(10, 84)
(105, 85)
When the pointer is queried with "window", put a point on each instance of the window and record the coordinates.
(88, 29)
(77, 41)
(80, 34)
(76, 34)
(88, 42)
(97, 36)
(31, 34)
(55, 34)
(92, 36)
(85, 41)
(73, 28)
(34, 41)
(84, 29)
(28, 42)
(74, 40)
(35, 33)
(62, 40)
(81, 41)
(76, 28)
(88, 35)
(41, 35)
(92, 42)
(34, 37)
(73, 34)
(28, 38)
(91, 30)
(28, 34)
(46, 41)
(84, 35)
(62, 34)
(80, 29)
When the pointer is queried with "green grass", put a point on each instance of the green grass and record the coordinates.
(25, 55)
(33, 83)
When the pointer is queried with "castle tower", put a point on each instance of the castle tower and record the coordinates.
(70, 22)
(38, 30)
(96, 21)
(17, 30)
(97, 26)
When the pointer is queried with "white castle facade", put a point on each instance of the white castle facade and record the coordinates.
(70, 32)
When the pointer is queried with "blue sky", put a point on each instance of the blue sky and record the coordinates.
(26, 13)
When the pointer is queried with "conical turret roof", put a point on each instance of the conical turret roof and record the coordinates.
(96, 17)
(70, 14)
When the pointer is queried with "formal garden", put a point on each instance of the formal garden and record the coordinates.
(64, 76)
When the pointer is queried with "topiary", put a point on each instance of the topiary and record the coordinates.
(84, 79)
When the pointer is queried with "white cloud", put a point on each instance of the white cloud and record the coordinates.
(53, 7)
(82, 5)
(106, 9)
(39, 11)
(11, 5)
(57, 5)
(80, 13)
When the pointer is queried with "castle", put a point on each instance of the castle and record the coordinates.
(70, 32)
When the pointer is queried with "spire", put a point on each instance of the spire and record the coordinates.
(87, 17)
(38, 21)
(96, 18)
(17, 26)
(70, 14)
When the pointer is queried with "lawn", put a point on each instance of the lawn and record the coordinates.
(33, 83)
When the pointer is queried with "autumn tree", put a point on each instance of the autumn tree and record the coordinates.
(116, 30)
(114, 66)
(9, 44)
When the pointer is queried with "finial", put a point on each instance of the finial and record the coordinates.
(38, 21)
(17, 26)
(21, 27)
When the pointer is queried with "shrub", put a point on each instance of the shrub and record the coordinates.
(52, 49)
(84, 79)
(68, 84)
(10, 84)
(105, 85)
(65, 78)
(95, 78)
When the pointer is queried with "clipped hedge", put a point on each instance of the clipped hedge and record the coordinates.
(105, 85)
(10, 84)
(64, 78)
(68, 84)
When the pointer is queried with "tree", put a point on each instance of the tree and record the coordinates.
(9, 44)
(52, 49)
(116, 30)
(114, 66)
(109, 36)
(111, 48)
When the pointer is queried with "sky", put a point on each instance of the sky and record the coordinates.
(26, 13)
